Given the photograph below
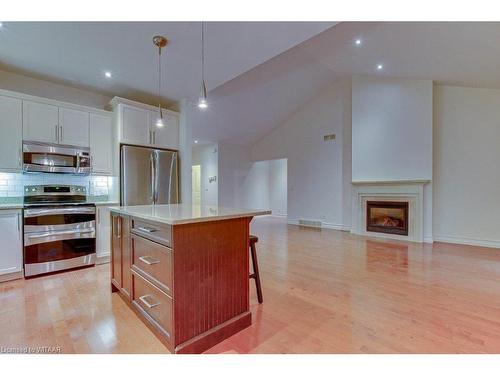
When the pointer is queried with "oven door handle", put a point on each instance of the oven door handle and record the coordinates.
(34, 212)
(59, 227)
(54, 236)
(59, 232)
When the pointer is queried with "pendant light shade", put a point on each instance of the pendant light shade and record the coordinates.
(160, 42)
(202, 101)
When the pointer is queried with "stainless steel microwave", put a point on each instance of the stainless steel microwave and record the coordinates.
(55, 158)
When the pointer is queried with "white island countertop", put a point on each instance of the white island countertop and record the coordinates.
(175, 214)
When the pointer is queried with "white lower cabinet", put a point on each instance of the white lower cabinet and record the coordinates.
(103, 234)
(11, 250)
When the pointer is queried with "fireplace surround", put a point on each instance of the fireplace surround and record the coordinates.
(409, 191)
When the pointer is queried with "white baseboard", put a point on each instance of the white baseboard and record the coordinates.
(324, 225)
(468, 241)
(428, 239)
(11, 276)
(342, 227)
(103, 259)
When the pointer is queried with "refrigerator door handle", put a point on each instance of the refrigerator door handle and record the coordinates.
(152, 165)
(156, 187)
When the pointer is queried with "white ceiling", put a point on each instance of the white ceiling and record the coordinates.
(247, 108)
(80, 52)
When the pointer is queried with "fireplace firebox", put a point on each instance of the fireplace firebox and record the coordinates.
(387, 217)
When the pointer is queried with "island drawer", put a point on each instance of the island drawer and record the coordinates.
(153, 261)
(153, 231)
(156, 306)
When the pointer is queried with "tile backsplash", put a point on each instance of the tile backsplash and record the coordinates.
(12, 184)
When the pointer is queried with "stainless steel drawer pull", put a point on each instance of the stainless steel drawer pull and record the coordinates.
(149, 260)
(146, 229)
(148, 304)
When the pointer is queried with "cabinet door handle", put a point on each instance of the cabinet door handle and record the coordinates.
(56, 133)
(147, 229)
(61, 134)
(117, 226)
(149, 260)
(154, 137)
(20, 158)
(149, 304)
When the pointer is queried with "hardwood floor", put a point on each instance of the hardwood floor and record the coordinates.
(325, 291)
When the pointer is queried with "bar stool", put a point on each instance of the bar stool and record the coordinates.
(255, 275)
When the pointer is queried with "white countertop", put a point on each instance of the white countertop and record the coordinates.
(10, 206)
(174, 214)
(105, 203)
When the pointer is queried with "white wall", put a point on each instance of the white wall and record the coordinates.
(391, 129)
(316, 185)
(265, 186)
(46, 89)
(234, 166)
(466, 165)
(185, 153)
(207, 157)
(278, 186)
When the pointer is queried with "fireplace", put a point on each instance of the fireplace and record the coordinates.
(387, 217)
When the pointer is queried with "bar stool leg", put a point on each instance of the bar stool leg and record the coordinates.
(256, 275)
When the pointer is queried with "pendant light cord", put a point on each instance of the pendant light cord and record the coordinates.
(202, 51)
(159, 81)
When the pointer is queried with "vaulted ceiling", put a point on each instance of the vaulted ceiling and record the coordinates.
(258, 74)
(248, 107)
(79, 53)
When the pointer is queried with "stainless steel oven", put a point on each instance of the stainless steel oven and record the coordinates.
(55, 158)
(59, 229)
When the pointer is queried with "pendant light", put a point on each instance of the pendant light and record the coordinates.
(160, 42)
(202, 101)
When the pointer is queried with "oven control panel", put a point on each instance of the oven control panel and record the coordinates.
(31, 190)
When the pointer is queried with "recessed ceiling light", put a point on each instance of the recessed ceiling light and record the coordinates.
(107, 74)
(195, 141)
(357, 42)
(380, 67)
(1, 24)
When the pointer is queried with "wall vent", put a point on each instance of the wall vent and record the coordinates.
(310, 223)
(329, 137)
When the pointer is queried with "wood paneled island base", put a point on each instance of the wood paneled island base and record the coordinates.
(187, 281)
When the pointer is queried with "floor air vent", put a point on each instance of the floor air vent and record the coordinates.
(310, 223)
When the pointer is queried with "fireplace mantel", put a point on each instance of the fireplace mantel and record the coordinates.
(389, 182)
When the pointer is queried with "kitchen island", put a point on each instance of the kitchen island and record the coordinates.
(184, 270)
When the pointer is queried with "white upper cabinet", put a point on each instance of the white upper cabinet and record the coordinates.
(166, 136)
(135, 125)
(11, 251)
(11, 131)
(101, 144)
(40, 122)
(73, 127)
(50, 123)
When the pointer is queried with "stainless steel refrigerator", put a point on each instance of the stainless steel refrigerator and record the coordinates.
(148, 176)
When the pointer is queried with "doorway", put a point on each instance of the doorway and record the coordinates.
(196, 184)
